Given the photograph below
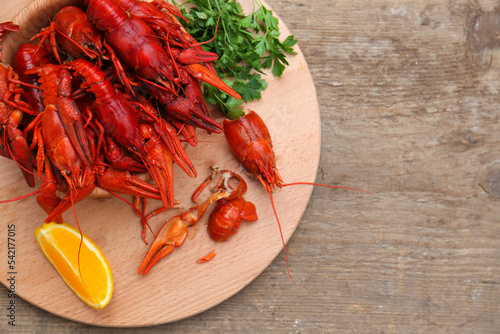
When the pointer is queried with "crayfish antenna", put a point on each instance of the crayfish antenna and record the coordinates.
(81, 235)
(281, 234)
(20, 197)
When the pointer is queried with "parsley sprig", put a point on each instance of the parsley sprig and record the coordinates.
(246, 44)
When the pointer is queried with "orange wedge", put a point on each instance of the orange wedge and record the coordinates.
(60, 244)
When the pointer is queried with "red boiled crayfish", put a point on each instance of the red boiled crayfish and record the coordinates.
(74, 33)
(13, 143)
(62, 145)
(77, 37)
(250, 141)
(117, 116)
(28, 57)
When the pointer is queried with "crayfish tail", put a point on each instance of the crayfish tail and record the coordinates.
(249, 212)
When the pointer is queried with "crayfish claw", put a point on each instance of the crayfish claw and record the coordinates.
(202, 73)
(193, 55)
(171, 235)
(174, 232)
(126, 183)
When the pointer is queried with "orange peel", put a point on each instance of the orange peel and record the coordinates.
(90, 278)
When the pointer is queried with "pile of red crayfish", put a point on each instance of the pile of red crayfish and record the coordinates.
(108, 91)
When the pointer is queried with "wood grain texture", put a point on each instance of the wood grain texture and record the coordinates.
(409, 108)
(181, 286)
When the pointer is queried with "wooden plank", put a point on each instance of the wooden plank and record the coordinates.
(409, 112)
(183, 287)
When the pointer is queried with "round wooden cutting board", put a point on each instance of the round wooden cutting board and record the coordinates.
(177, 287)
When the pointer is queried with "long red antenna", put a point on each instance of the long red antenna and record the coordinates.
(281, 234)
(20, 197)
(81, 235)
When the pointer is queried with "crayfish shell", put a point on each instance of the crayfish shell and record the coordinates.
(101, 193)
(225, 219)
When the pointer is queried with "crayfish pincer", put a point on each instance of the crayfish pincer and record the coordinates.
(174, 232)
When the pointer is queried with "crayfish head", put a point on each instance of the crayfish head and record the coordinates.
(261, 163)
(78, 177)
(70, 174)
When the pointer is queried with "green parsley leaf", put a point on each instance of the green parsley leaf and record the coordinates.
(246, 44)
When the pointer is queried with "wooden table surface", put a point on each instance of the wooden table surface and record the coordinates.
(408, 93)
